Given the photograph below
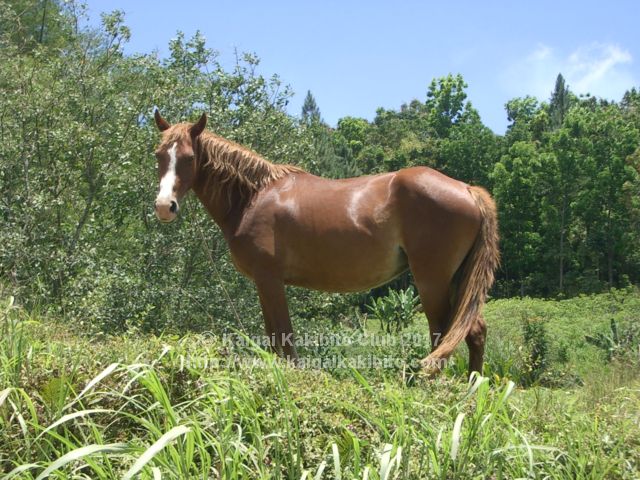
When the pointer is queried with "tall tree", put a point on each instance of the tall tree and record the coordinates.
(529, 120)
(518, 179)
(630, 105)
(30, 23)
(606, 141)
(559, 103)
(469, 152)
(446, 103)
(310, 110)
(566, 182)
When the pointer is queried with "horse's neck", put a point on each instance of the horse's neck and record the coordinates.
(225, 207)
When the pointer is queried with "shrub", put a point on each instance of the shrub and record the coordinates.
(617, 342)
(396, 310)
(537, 349)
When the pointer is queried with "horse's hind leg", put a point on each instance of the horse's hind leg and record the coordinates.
(436, 302)
(475, 341)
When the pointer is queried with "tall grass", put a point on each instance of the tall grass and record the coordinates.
(148, 407)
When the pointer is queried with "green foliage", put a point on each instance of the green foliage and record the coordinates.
(615, 343)
(554, 332)
(188, 407)
(310, 111)
(396, 310)
(573, 203)
(446, 106)
(77, 179)
(537, 346)
(354, 132)
(15, 344)
(29, 25)
(517, 178)
(560, 102)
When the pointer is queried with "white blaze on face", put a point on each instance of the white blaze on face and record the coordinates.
(169, 179)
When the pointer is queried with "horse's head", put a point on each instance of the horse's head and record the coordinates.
(176, 164)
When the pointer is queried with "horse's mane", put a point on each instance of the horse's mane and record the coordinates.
(229, 166)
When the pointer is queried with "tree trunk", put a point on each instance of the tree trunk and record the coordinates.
(44, 18)
(562, 228)
(610, 264)
(610, 249)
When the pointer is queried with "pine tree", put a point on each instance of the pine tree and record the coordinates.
(310, 110)
(560, 102)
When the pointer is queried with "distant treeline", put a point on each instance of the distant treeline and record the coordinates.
(77, 174)
(566, 176)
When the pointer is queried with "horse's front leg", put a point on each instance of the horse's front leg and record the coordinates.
(276, 317)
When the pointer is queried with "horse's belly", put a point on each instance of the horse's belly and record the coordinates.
(344, 270)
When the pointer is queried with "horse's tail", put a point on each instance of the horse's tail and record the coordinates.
(476, 276)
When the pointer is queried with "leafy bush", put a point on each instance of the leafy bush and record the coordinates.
(617, 343)
(537, 348)
(396, 310)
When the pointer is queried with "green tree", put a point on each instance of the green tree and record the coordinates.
(630, 106)
(518, 188)
(560, 202)
(559, 103)
(29, 24)
(469, 152)
(446, 103)
(606, 144)
(528, 119)
(310, 110)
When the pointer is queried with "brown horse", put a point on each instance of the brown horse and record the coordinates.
(285, 226)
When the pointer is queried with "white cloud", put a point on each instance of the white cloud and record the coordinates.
(542, 52)
(603, 70)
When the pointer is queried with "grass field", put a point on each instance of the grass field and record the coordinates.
(553, 403)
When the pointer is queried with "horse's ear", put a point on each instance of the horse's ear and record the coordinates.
(197, 128)
(160, 122)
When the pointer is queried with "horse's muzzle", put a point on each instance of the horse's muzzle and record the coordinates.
(166, 209)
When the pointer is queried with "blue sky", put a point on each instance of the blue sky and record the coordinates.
(357, 56)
